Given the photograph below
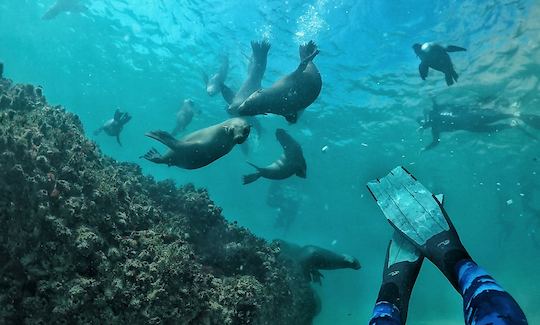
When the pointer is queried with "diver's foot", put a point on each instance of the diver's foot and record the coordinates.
(417, 214)
(401, 268)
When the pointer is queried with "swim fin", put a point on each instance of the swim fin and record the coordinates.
(419, 216)
(402, 265)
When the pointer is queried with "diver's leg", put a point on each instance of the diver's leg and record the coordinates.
(415, 213)
(401, 267)
(484, 301)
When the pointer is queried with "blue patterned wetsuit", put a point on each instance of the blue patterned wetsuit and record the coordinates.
(484, 301)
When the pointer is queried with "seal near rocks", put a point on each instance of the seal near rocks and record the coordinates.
(313, 258)
(256, 69)
(183, 117)
(216, 81)
(114, 126)
(290, 95)
(290, 163)
(435, 56)
(64, 6)
(201, 147)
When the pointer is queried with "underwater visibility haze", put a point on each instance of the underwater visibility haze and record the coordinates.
(283, 111)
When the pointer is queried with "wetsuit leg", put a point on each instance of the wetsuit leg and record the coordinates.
(484, 301)
(385, 313)
(402, 265)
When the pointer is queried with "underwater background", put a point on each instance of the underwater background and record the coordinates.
(146, 57)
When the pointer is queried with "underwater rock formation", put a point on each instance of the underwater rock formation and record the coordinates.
(85, 239)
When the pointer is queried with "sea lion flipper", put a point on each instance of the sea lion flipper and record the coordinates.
(260, 50)
(307, 49)
(453, 48)
(153, 155)
(423, 68)
(449, 79)
(250, 178)
(117, 115)
(118, 140)
(98, 131)
(163, 137)
(292, 118)
(303, 65)
(227, 93)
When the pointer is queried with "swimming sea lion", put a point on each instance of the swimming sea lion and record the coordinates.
(290, 163)
(183, 117)
(1, 70)
(114, 126)
(290, 95)
(214, 83)
(313, 258)
(201, 147)
(435, 56)
(64, 6)
(256, 69)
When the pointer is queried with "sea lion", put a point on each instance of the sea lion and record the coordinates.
(313, 258)
(183, 117)
(451, 118)
(256, 69)
(201, 147)
(290, 95)
(1, 70)
(290, 163)
(64, 6)
(114, 126)
(435, 56)
(215, 82)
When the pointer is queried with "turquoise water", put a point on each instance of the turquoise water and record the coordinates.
(146, 57)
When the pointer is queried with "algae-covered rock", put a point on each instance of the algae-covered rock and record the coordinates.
(84, 239)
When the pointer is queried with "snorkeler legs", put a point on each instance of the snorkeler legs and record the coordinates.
(417, 215)
(401, 268)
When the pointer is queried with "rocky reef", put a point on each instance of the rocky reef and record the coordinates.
(85, 239)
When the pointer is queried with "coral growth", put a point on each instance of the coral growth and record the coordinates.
(84, 239)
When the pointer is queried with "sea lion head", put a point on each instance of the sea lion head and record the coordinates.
(239, 129)
(212, 89)
(254, 104)
(352, 262)
(417, 49)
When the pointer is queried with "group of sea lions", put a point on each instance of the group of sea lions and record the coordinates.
(450, 118)
(288, 97)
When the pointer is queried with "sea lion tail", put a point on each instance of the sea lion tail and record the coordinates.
(307, 50)
(250, 178)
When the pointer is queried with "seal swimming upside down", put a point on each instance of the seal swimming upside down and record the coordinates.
(183, 117)
(290, 163)
(215, 82)
(256, 69)
(114, 126)
(290, 95)
(201, 147)
(435, 56)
